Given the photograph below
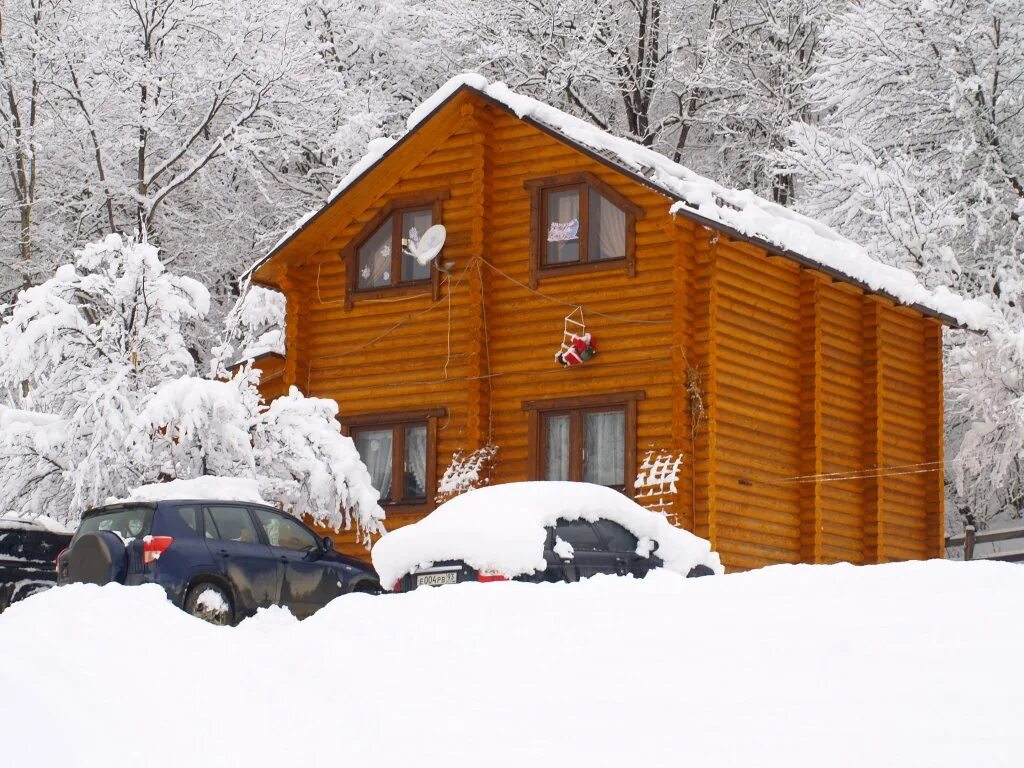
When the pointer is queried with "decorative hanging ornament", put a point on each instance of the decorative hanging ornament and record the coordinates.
(577, 343)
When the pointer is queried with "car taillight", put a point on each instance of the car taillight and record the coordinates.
(56, 563)
(153, 547)
(490, 576)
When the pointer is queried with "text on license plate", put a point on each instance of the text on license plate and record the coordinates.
(437, 579)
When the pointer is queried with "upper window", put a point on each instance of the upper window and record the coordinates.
(403, 441)
(579, 222)
(385, 260)
(581, 226)
(379, 258)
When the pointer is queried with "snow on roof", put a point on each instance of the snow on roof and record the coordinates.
(741, 211)
(500, 528)
(198, 488)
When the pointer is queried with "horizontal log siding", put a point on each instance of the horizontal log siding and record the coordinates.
(842, 534)
(758, 446)
(525, 329)
(361, 359)
(904, 435)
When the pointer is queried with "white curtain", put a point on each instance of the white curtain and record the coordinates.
(563, 226)
(609, 228)
(374, 446)
(416, 462)
(604, 445)
(556, 447)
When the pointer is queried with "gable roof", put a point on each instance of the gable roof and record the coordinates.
(737, 213)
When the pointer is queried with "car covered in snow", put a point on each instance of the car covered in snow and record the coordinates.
(537, 531)
(28, 551)
(218, 560)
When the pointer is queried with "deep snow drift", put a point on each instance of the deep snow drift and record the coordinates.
(912, 664)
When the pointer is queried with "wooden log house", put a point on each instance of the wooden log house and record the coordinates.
(781, 406)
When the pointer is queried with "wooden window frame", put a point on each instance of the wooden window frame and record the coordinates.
(393, 208)
(576, 407)
(538, 221)
(397, 421)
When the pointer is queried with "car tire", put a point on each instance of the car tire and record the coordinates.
(210, 603)
(699, 570)
(366, 588)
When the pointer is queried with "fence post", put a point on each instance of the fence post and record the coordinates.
(968, 542)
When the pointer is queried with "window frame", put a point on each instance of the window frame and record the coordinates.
(395, 208)
(583, 182)
(576, 407)
(398, 421)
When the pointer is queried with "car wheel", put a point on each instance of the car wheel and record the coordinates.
(366, 588)
(211, 603)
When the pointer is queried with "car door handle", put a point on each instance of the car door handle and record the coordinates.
(223, 553)
(284, 558)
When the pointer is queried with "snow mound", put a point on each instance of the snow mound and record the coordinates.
(500, 528)
(909, 664)
(738, 210)
(198, 488)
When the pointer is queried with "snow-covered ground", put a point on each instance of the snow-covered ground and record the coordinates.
(913, 664)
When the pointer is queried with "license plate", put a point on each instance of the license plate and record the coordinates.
(437, 579)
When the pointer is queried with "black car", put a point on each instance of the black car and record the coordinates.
(603, 546)
(28, 551)
(218, 560)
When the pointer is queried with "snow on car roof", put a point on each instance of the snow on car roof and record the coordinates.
(207, 487)
(500, 528)
(11, 521)
(739, 211)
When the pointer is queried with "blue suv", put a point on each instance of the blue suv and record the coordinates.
(218, 560)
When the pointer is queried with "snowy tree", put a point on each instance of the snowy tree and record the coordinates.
(99, 396)
(255, 326)
(294, 449)
(83, 347)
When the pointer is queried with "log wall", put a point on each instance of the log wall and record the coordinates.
(790, 396)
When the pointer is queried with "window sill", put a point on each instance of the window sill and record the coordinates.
(403, 289)
(554, 270)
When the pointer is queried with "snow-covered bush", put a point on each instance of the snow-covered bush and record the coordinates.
(307, 466)
(98, 395)
(466, 472)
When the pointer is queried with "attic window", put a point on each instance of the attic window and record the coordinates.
(378, 260)
(383, 259)
(580, 223)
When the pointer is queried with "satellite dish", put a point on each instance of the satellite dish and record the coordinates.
(427, 247)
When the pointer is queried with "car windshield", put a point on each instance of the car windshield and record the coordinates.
(126, 522)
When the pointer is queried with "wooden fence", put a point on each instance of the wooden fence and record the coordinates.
(971, 537)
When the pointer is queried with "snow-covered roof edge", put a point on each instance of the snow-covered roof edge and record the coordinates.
(740, 213)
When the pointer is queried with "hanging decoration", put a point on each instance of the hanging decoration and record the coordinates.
(577, 344)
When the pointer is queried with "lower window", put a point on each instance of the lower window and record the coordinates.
(589, 439)
(404, 445)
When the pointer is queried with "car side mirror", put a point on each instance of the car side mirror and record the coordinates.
(327, 544)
